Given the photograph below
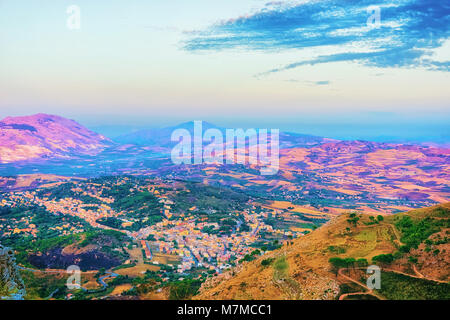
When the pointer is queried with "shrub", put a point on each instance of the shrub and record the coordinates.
(338, 263)
(412, 259)
(404, 249)
(267, 262)
(184, 289)
(383, 258)
(362, 263)
(414, 232)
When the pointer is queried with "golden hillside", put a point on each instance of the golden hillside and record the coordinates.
(301, 269)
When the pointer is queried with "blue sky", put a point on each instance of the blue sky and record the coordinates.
(307, 66)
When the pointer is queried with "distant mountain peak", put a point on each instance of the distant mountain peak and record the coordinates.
(190, 124)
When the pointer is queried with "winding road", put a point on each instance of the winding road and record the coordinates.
(100, 280)
(368, 292)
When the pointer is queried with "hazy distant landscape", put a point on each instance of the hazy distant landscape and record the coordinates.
(140, 227)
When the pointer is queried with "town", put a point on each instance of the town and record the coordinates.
(196, 236)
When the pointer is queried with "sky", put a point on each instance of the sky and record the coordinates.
(375, 70)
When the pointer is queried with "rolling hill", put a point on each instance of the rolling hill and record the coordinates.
(329, 263)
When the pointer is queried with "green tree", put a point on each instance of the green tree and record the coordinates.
(383, 258)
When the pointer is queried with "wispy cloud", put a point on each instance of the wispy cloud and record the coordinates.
(322, 83)
(311, 83)
(408, 32)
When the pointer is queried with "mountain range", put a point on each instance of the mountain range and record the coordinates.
(382, 173)
(43, 136)
(162, 137)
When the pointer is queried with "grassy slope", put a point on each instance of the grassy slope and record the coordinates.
(308, 274)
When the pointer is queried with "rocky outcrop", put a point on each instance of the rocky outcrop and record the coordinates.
(11, 284)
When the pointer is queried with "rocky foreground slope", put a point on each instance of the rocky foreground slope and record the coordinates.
(11, 284)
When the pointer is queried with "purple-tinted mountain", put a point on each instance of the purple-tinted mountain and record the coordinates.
(44, 136)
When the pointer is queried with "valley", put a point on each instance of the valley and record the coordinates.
(140, 227)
